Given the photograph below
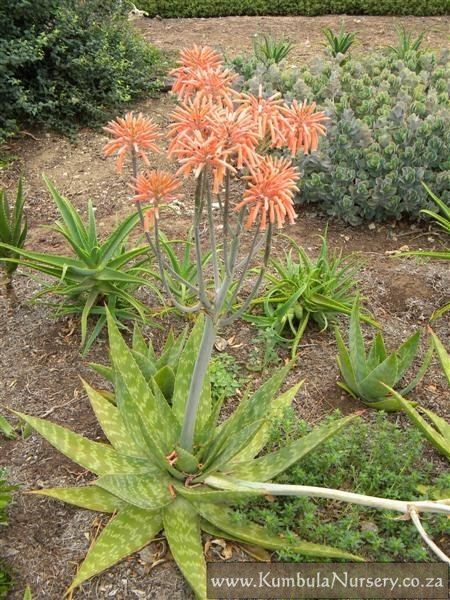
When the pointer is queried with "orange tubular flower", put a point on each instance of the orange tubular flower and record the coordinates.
(192, 60)
(238, 133)
(266, 113)
(197, 152)
(269, 196)
(155, 187)
(199, 57)
(303, 126)
(211, 83)
(191, 116)
(131, 133)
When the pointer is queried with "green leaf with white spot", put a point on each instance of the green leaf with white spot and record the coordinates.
(270, 465)
(260, 439)
(156, 416)
(125, 534)
(145, 491)
(251, 533)
(182, 529)
(203, 493)
(442, 353)
(251, 410)
(165, 380)
(98, 458)
(112, 423)
(89, 496)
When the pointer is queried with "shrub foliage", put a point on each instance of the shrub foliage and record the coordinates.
(389, 131)
(65, 62)
(223, 8)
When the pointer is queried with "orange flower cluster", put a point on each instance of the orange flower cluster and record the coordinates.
(303, 126)
(217, 129)
(131, 134)
(270, 192)
(155, 187)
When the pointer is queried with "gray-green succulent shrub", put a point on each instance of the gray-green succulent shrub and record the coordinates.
(389, 131)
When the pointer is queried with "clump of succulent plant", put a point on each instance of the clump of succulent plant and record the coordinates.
(366, 375)
(389, 131)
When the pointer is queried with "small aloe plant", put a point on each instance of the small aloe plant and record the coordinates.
(339, 43)
(366, 376)
(13, 231)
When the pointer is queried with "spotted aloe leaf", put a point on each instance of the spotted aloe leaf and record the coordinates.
(251, 410)
(89, 496)
(157, 415)
(261, 437)
(227, 520)
(204, 493)
(182, 529)
(143, 491)
(443, 355)
(437, 434)
(112, 423)
(131, 529)
(270, 465)
(98, 458)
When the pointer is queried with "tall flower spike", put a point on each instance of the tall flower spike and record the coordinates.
(302, 126)
(131, 133)
(155, 187)
(266, 112)
(269, 195)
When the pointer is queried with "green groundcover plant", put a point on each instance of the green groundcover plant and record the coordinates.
(223, 8)
(5, 498)
(372, 455)
(389, 131)
(65, 63)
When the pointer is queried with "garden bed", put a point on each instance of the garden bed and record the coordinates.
(40, 363)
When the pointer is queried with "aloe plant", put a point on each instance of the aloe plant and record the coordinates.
(13, 231)
(339, 43)
(303, 290)
(149, 482)
(366, 376)
(407, 44)
(270, 51)
(100, 272)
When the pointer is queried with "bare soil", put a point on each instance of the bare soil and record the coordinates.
(40, 363)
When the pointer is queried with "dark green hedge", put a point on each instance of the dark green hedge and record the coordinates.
(65, 63)
(223, 8)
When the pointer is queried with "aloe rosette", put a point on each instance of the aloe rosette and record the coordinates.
(149, 482)
(369, 376)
